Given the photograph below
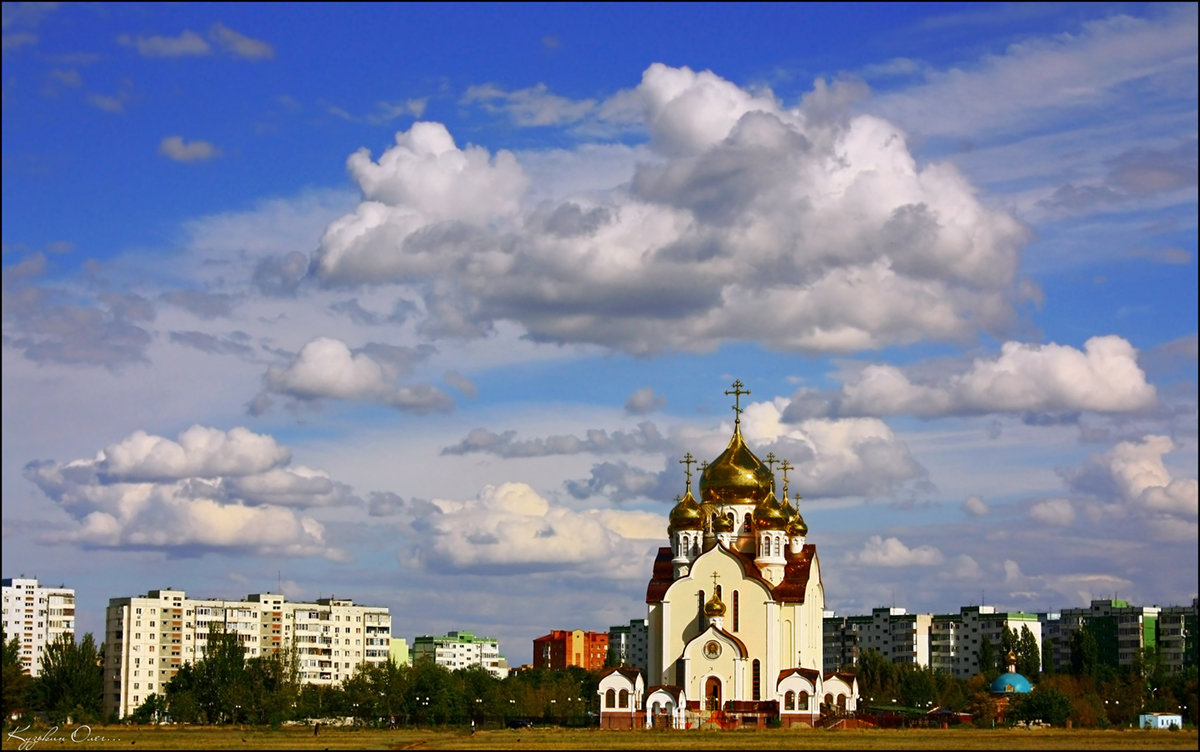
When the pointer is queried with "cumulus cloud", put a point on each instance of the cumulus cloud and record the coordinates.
(175, 148)
(510, 526)
(1103, 377)
(975, 506)
(644, 401)
(208, 490)
(891, 552)
(747, 220)
(1056, 512)
(325, 368)
(529, 107)
(1133, 473)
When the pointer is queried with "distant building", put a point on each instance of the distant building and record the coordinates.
(628, 644)
(1121, 630)
(566, 647)
(36, 616)
(398, 652)
(459, 649)
(942, 642)
(148, 638)
(1177, 636)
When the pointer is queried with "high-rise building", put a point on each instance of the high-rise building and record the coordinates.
(1121, 631)
(571, 647)
(149, 638)
(628, 644)
(458, 649)
(36, 616)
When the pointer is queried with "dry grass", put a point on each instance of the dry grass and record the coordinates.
(252, 738)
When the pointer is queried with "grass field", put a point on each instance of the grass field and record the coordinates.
(250, 738)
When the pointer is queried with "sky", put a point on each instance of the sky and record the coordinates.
(421, 304)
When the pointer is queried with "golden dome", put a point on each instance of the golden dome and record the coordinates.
(722, 524)
(797, 526)
(686, 515)
(736, 476)
(714, 607)
(769, 514)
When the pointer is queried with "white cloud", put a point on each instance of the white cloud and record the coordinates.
(1103, 377)
(326, 368)
(747, 221)
(1133, 472)
(511, 526)
(975, 506)
(175, 148)
(891, 552)
(187, 44)
(1056, 512)
(211, 490)
(240, 45)
(644, 401)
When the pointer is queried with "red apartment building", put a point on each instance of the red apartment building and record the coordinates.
(565, 647)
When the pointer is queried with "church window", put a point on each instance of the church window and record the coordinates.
(757, 674)
(624, 698)
(700, 604)
(735, 610)
(789, 700)
(776, 546)
(747, 522)
(610, 698)
(803, 704)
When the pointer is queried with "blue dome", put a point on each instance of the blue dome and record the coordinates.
(1010, 683)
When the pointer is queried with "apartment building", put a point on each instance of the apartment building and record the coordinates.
(628, 645)
(1121, 631)
(1177, 636)
(459, 649)
(149, 638)
(36, 616)
(945, 642)
(571, 647)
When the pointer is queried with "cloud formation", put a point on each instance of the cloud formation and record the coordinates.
(747, 221)
(209, 490)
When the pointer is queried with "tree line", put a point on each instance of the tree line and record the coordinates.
(227, 686)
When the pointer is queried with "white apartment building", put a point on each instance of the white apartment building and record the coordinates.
(942, 642)
(148, 638)
(459, 649)
(36, 616)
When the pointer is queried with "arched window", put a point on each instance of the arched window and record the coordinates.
(803, 704)
(610, 698)
(624, 698)
(700, 605)
(748, 523)
(757, 674)
(789, 700)
(735, 610)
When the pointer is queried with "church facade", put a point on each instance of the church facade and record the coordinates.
(734, 609)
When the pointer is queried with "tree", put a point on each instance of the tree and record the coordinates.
(1029, 659)
(1048, 704)
(1083, 652)
(17, 683)
(1048, 658)
(987, 659)
(71, 682)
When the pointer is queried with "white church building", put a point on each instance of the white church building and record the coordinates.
(734, 610)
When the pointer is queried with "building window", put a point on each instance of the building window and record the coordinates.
(803, 704)
(736, 601)
(610, 698)
(623, 700)
(757, 679)
(789, 700)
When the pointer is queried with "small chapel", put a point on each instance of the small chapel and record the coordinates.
(734, 608)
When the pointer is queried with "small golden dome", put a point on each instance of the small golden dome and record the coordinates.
(769, 515)
(736, 476)
(797, 526)
(722, 524)
(686, 515)
(714, 607)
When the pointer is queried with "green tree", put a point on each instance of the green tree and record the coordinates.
(1083, 652)
(1048, 705)
(1029, 658)
(71, 680)
(1048, 657)
(987, 659)
(16, 682)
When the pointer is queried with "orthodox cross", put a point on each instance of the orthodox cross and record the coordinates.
(687, 460)
(785, 466)
(737, 393)
(716, 587)
(771, 460)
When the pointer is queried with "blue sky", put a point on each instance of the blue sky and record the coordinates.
(421, 304)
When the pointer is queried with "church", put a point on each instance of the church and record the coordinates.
(734, 608)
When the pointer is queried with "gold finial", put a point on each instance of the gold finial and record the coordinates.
(737, 393)
(784, 465)
(715, 585)
(687, 460)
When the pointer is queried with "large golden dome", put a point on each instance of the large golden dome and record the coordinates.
(736, 476)
(686, 515)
